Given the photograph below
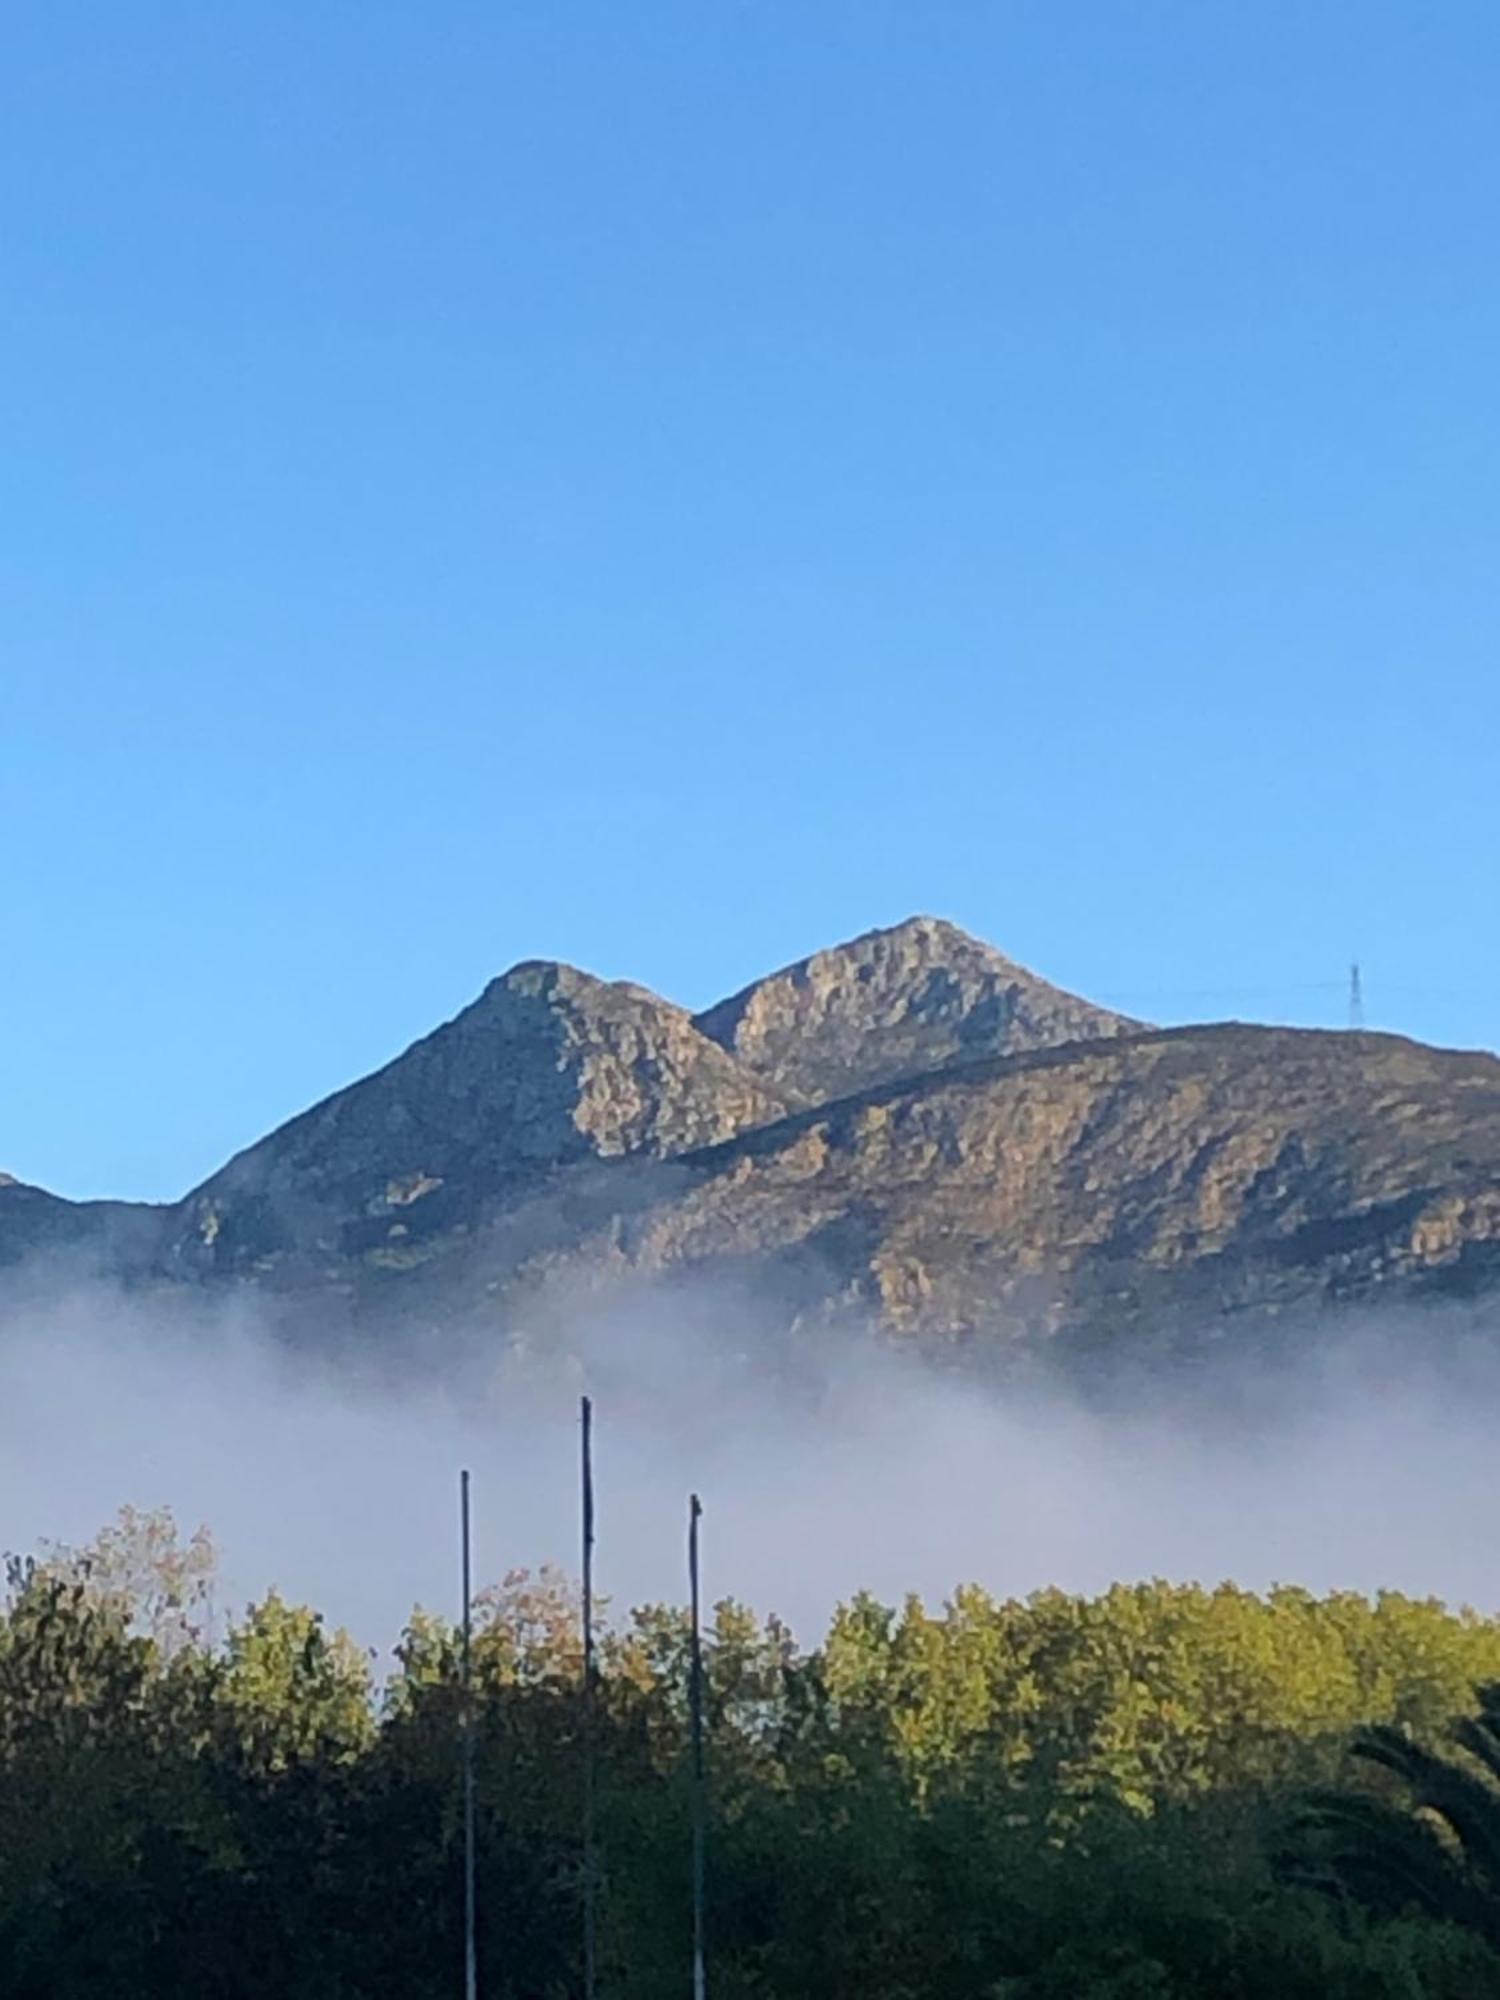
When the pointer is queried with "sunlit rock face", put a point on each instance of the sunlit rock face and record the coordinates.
(1181, 1176)
(920, 996)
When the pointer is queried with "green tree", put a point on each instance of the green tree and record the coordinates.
(289, 1692)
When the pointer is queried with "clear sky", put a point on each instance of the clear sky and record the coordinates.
(671, 485)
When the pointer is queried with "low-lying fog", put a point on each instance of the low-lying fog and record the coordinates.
(1375, 1466)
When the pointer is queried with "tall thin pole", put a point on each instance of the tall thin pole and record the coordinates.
(471, 1963)
(695, 1708)
(590, 1837)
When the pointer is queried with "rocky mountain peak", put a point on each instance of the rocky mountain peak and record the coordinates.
(917, 996)
(548, 1067)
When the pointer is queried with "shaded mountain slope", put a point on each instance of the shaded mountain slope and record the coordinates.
(109, 1236)
(893, 1003)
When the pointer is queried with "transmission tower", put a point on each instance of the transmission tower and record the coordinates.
(1356, 999)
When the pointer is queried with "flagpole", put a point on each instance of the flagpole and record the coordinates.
(590, 1835)
(695, 1707)
(471, 1967)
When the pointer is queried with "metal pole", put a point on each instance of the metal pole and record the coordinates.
(695, 1707)
(471, 1964)
(590, 1837)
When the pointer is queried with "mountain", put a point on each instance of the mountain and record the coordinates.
(1170, 1178)
(107, 1235)
(919, 996)
(547, 1068)
(908, 1129)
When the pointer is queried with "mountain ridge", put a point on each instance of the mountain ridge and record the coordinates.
(1170, 1210)
(908, 1128)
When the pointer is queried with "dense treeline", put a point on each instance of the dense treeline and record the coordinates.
(1149, 1793)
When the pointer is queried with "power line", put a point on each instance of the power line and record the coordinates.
(1161, 995)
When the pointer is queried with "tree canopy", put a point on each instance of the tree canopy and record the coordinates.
(993, 1800)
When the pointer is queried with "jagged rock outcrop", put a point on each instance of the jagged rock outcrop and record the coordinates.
(548, 1067)
(917, 997)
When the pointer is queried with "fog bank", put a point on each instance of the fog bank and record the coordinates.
(1370, 1464)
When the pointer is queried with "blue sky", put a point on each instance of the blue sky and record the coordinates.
(670, 486)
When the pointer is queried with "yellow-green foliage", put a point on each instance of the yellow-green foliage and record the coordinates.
(1154, 1690)
(998, 1800)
